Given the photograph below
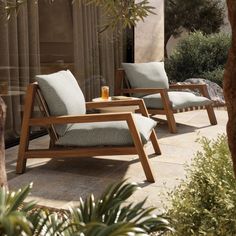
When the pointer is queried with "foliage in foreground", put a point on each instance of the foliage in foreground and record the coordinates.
(205, 203)
(199, 56)
(109, 215)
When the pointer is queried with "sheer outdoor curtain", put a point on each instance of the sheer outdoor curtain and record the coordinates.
(96, 55)
(19, 61)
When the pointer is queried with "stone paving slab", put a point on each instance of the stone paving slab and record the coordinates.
(59, 183)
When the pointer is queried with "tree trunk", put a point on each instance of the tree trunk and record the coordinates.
(3, 176)
(230, 84)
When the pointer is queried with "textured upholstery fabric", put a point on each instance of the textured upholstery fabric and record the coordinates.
(146, 75)
(178, 100)
(106, 133)
(63, 95)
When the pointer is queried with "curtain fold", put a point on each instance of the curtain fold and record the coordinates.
(96, 55)
(19, 61)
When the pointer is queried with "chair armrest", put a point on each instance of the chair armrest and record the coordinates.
(186, 86)
(44, 121)
(143, 90)
(201, 87)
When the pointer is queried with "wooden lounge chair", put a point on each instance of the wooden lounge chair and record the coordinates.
(73, 133)
(149, 82)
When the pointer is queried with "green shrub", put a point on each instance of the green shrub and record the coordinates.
(215, 76)
(205, 202)
(198, 54)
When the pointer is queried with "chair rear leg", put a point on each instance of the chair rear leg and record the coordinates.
(140, 150)
(211, 115)
(155, 144)
(168, 111)
(171, 121)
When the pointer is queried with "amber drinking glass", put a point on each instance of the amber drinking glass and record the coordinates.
(105, 92)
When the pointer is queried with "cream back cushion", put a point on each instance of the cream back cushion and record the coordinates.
(146, 75)
(63, 95)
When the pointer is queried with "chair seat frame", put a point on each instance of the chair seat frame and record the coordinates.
(55, 151)
(122, 87)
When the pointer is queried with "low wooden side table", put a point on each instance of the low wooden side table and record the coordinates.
(117, 108)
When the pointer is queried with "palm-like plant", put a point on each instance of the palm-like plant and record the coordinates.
(13, 213)
(109, 215)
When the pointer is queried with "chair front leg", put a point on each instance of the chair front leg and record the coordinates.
(25, 129)
(23, 147)
(211, 115)
(140, 150)
(209, 108)
(153, 136)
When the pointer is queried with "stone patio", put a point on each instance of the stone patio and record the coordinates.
(59, 183)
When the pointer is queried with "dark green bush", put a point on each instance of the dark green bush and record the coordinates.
(198, 54)
(205, 202)
(215, 76)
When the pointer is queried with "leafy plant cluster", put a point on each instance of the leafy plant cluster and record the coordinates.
(125, 13)
(199, 56)
(106, 216)
(204, 203)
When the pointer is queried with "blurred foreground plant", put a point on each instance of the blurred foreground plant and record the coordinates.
(109, 215)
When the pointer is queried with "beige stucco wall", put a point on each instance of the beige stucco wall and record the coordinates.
(149, 35)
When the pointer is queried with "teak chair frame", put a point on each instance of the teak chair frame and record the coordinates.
(55, 151)
(122, 87)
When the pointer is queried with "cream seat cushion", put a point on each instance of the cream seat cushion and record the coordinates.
(179, 100)
(106, 133)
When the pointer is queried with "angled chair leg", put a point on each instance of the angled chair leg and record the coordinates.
(140, 150)
(171, 121)
(211, 115)
(153, 136)
(209, 108)
(24, 138)
(155, 144)
(23, 146)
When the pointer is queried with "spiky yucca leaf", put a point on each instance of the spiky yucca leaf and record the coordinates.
(13, 212)
(109, 216)
(47, 223)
